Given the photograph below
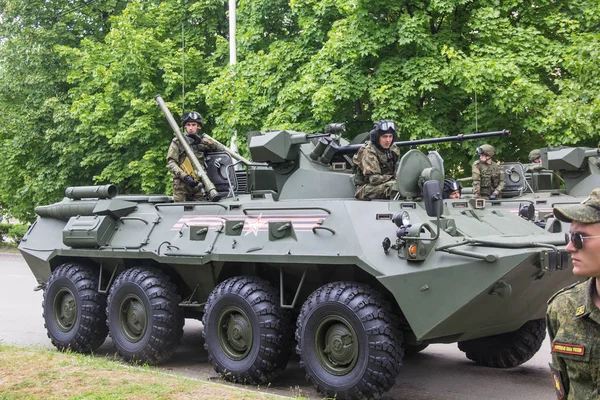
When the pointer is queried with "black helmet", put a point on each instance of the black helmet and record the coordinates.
(450, 185)
(382, 127)
(192, 116)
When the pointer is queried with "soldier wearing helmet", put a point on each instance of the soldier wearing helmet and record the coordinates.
(535, 156)
(185, 184)
(376, 163)
(452, 189)
(488, 176)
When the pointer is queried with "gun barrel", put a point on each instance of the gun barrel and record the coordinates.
(66, 210)
(91, 192)
(209, 186)
(232, 153)
(458, 138)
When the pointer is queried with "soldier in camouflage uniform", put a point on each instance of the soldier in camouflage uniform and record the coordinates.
(185, 186)
(573, 316)
(376, 163)
(535, 156)
(488, 176)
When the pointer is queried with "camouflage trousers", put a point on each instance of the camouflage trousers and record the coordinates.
(182, 192)
(370, 192)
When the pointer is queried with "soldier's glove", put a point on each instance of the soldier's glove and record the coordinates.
(493, 196)
(190, 181)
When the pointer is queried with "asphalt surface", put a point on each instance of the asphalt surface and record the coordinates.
(439, 372)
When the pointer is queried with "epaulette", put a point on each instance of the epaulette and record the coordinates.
(564, 290)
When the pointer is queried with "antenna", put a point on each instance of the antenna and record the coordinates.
(183, 65)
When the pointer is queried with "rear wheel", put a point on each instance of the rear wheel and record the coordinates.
(144, 317)
(247, 334)
(74, 311)
(348, 341)
(506, 350)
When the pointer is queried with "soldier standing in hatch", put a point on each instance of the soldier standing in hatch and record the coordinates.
(535, 156)
(185, 185)
(573, 316)
(376, 163)
(488, 176)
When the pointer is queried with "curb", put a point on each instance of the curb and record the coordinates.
(7, 254)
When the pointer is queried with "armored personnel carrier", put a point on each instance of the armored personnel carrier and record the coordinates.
(567, 175)
(289, 259)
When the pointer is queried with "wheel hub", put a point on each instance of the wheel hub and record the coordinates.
(235, 333)
(132, 318)
(64, 310)
(336, 345)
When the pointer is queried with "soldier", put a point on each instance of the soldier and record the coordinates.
(185, 184)
(488, 176)
(573, 315)
(376, 163)
(452, 189)
(535, 156)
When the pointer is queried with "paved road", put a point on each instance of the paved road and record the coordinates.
(439, 372)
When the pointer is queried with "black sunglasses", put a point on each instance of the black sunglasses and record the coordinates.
(577, 239)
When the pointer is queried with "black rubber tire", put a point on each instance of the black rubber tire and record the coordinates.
(156, 301)
(379, 351)
(410, 350)
(506, 350)
(263, 360)
(75, 287)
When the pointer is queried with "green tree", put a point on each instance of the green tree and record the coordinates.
(37, 140)
(436, 67)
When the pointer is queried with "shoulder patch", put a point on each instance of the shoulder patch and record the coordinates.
(562, 291)
(557, 380)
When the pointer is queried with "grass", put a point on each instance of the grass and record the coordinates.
(28, 373)
(9, 248)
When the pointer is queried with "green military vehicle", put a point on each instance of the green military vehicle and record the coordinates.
(567, 175)
(289, 259)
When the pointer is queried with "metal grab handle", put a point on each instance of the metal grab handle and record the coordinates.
(314, 229)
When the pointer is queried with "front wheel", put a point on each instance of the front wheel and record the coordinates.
(348, 341)
(74, 311)
(144, 317)
(506, 350)
(247, 334)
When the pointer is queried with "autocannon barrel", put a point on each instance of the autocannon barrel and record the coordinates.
(91, 192)
(67, 209)
(458, 138)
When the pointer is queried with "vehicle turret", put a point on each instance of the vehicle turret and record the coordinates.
(578, 166)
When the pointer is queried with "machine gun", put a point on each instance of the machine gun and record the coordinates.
(353, 148)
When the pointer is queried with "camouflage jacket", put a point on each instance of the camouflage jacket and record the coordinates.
(176, 155)
(574, 328)
(487, 179)
(374, 166)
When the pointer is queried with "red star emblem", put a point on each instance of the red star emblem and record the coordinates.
(253, 227)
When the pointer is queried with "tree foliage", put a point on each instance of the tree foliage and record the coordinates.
(78, 79)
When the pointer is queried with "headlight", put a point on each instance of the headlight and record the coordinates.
(401, 218)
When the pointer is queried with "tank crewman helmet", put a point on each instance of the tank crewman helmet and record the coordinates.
(450, 186)
(534, 155)
(486, 149)
(192, 116)
(382, 127)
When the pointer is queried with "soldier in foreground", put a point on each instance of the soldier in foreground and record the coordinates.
(573, 316)
(488, 177)
(376, 163)
(185, 184)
